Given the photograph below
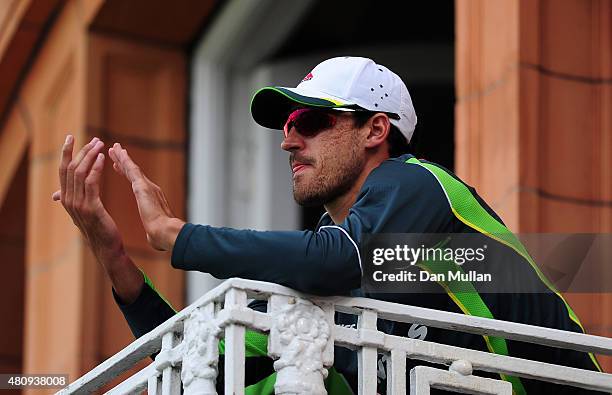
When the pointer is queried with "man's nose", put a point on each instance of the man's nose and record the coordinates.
(293, 141)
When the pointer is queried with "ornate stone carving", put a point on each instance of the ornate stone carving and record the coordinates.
(199, 371)
(300, 334)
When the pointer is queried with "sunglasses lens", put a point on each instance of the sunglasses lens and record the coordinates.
(309, 122)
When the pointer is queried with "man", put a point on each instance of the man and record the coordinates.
(345, 127)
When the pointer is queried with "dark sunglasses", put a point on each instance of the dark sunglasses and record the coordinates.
(309, 122)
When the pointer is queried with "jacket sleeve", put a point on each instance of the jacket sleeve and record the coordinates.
(149, 310)
(395, 198)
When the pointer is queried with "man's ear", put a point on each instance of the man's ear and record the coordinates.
(379, 130)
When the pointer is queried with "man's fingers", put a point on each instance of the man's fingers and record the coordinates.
(64, 161)
(82, 170)
(111, 153)
(113, 156)
(117, 169)
(69, 195)
(132, 171)
(92, 182)
(126, 164)
(83, 152)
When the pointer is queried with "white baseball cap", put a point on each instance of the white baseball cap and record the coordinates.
(340, 83)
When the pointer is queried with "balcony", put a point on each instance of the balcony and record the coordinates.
(302, 336)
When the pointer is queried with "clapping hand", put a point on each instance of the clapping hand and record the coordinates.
(160, 224)
(79, 193)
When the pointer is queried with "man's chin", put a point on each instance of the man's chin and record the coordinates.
(308, 199)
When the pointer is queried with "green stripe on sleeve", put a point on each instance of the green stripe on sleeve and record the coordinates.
(148, 281)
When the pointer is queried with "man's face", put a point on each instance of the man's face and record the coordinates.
(325, 165)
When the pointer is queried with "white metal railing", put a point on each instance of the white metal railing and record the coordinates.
(302, 335)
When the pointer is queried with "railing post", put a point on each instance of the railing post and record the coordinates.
(301, 339)
(199, 371)
(171, 376)
(396, 373)
(234, 345)
(369, 338)
(167, 381)
(153, 386)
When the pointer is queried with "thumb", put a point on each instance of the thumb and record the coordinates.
(56, 195)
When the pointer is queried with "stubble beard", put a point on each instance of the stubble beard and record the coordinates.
(330, 182)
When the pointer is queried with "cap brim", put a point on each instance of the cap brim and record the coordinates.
(270, 106)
